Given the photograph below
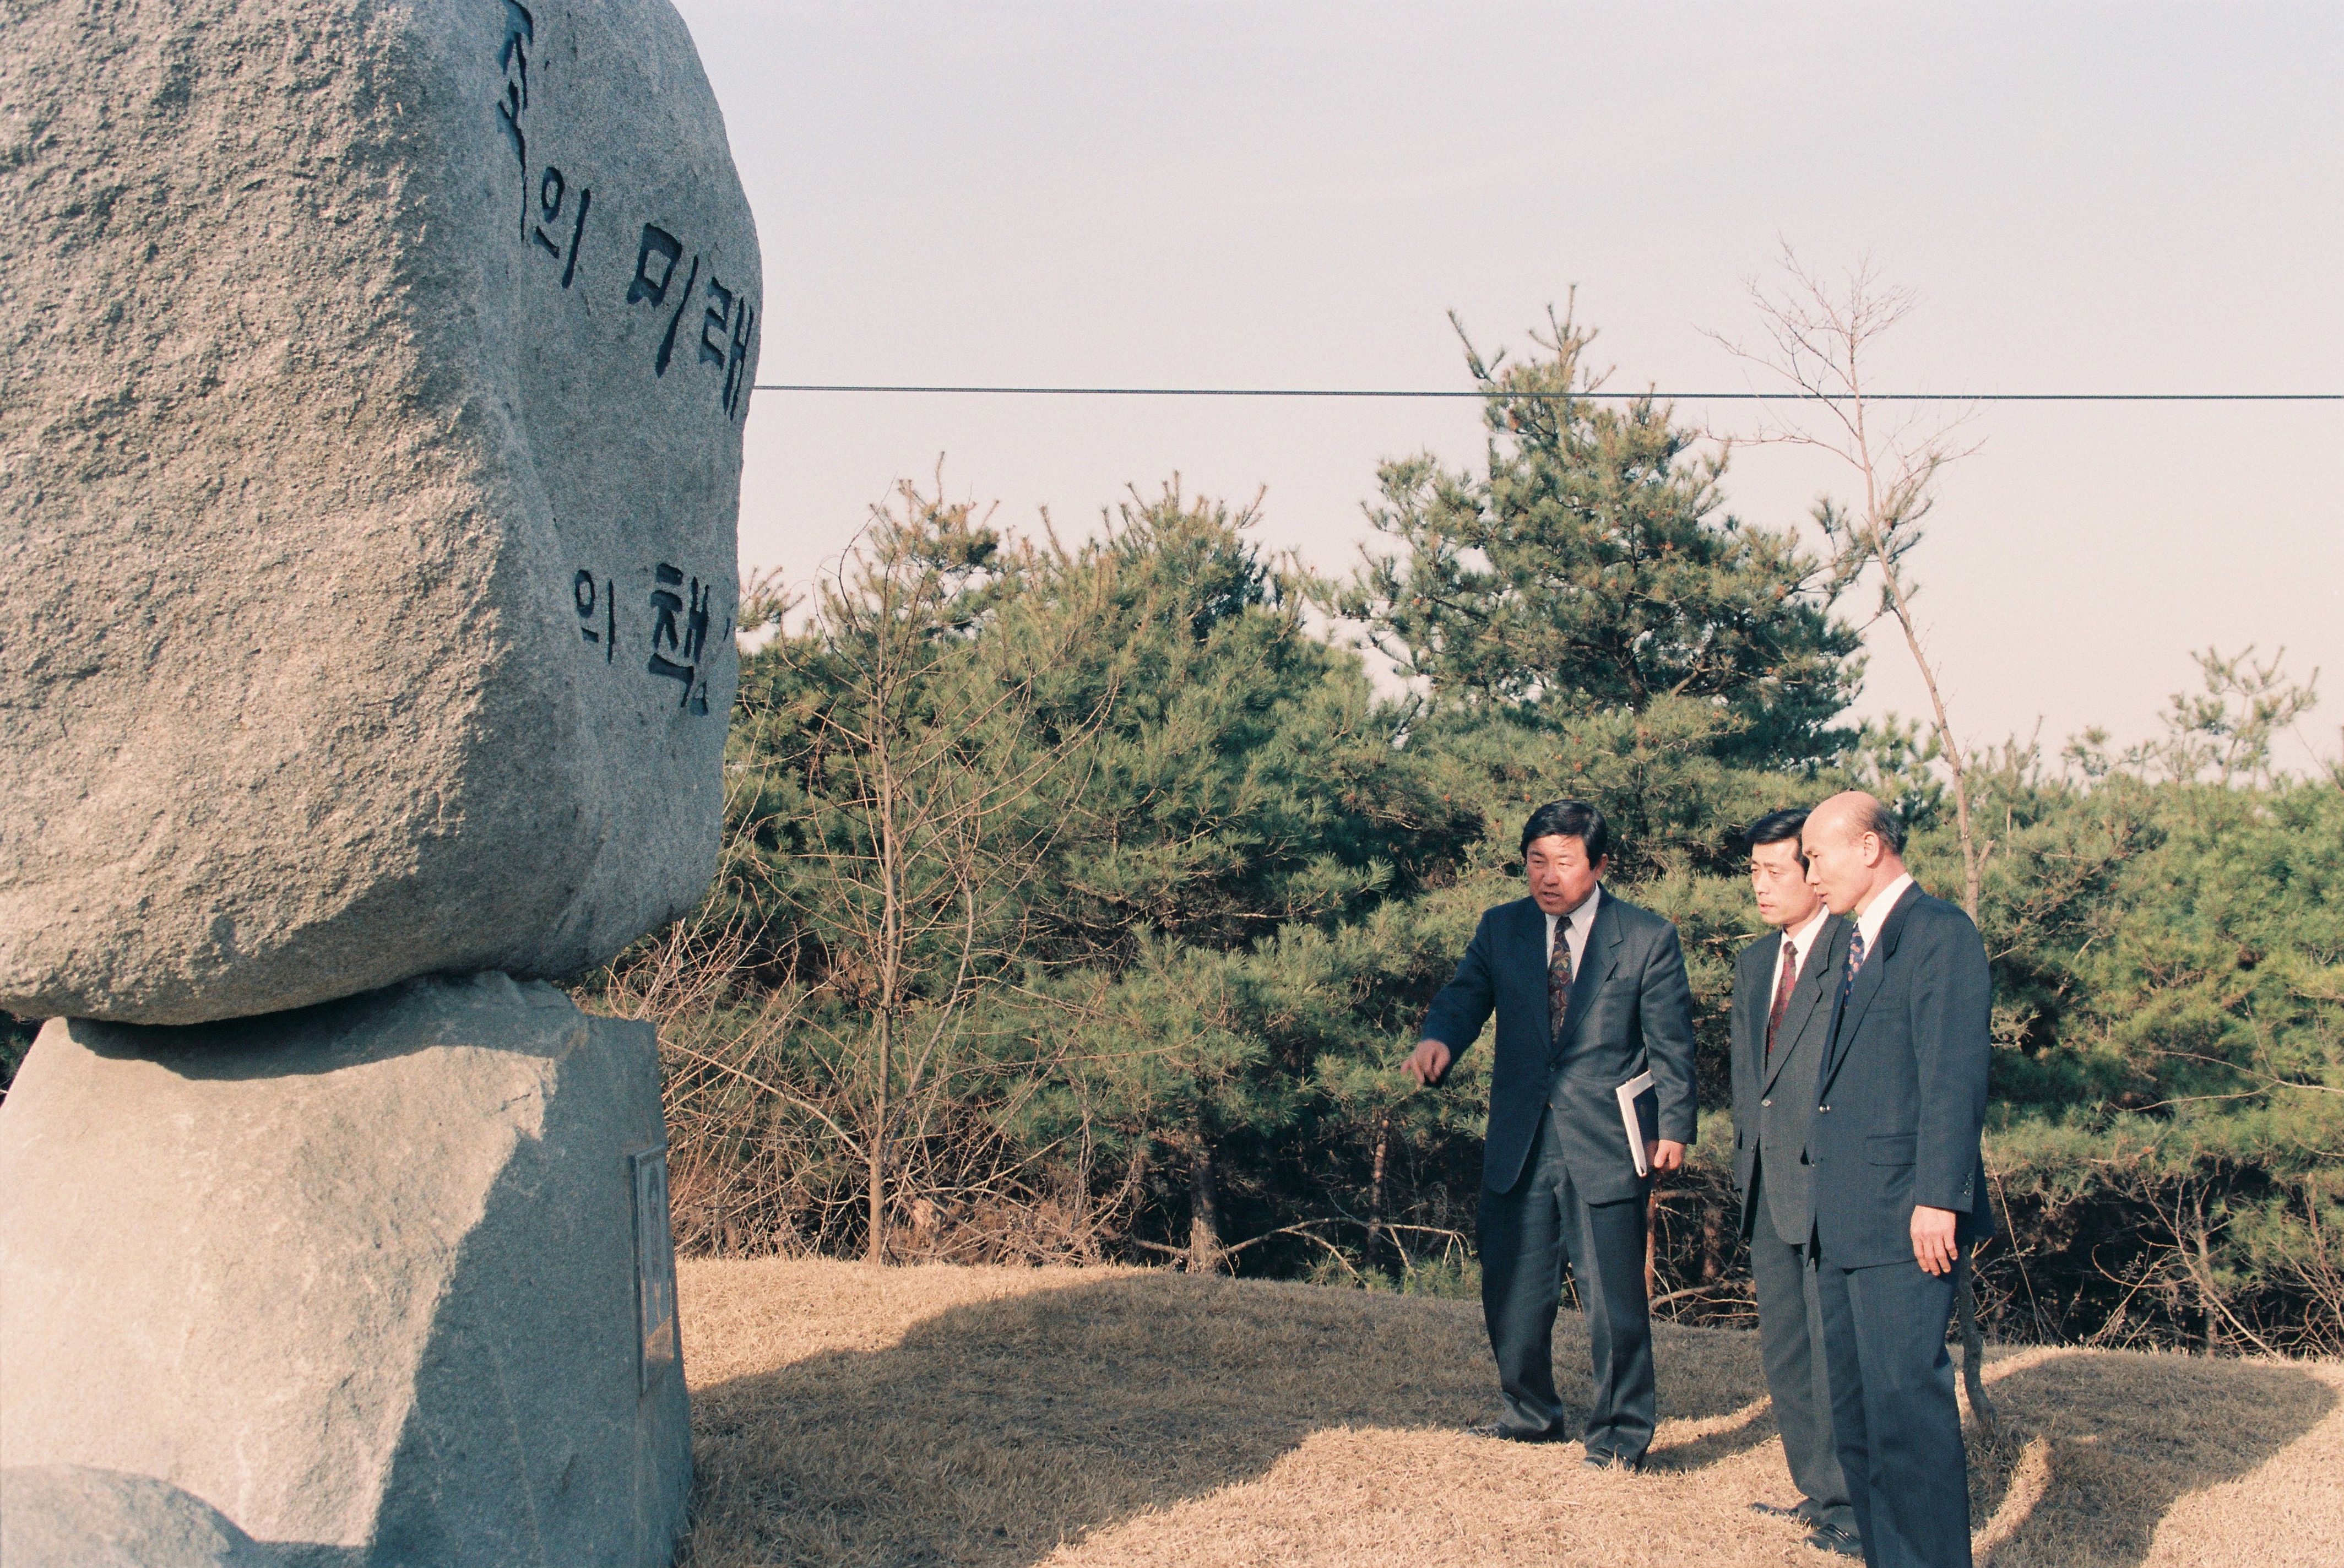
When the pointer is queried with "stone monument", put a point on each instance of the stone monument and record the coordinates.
(369, 458)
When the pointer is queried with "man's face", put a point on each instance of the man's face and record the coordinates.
(1559, 875)
(1779, 879)
(1840, 863)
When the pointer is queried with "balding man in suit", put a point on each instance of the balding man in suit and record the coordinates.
(1898, 1181)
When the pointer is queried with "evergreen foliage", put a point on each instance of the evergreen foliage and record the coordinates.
(1589, 569)
(1080, 899)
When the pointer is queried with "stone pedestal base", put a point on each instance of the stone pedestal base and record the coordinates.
(386, 1282)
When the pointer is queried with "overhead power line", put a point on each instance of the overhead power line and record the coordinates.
(1559, 397)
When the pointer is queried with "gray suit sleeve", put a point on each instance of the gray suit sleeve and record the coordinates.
(1665, 1010)
(1463, 1006)
(1952, 1001)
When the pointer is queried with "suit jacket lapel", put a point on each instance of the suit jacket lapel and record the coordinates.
(1868, 981)
(1596, 963)
(1531, 936)
(1815, 987)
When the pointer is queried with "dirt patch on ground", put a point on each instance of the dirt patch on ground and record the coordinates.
(850, 1415)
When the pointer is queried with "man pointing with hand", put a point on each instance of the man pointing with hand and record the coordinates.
(1591, 996)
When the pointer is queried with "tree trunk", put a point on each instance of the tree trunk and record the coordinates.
(2210, 1304)
(1973, 1347)
(1205, 1255)
(1376, 1189)
(877, 1250)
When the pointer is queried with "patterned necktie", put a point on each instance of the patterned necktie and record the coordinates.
(1781, 993)
(1558, 983)
(1854, 962)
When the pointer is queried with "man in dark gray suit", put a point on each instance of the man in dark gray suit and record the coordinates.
(1899, 1184)
(1784, 986)
(1590, 993)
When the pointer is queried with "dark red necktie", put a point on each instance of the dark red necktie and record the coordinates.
(1781, 991)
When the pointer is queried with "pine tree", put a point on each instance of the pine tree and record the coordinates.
(1589, 568)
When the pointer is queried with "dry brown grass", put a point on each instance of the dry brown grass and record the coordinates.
(850, 1415)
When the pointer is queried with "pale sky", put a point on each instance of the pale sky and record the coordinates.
(2106, 198)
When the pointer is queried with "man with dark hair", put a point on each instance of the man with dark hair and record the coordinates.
(1590, 998)
(1899, 1186)
(1783, 986)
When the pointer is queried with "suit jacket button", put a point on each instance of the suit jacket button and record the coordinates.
(1823, 1107)
(1765, 1102)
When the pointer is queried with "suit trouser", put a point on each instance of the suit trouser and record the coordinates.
(1527, 1235)
(1791, 1342)
(1894, 1411)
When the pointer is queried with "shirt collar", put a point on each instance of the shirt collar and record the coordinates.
(1875, 914)
(1581, 919)
(1801, 938)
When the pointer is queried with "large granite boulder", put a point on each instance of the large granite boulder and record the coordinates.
(388, 1279)
(370, 454)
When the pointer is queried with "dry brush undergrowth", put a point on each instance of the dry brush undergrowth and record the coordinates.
(770, 1156)
(769, 1140)
(850, 1415)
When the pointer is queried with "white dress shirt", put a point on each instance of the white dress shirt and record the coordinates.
(1582, 921)
(1875, 914)
(1803, 940)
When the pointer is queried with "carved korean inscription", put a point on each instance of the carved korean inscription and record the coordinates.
(679, 623)
(552, 192)
(727, 322)
(706, 328)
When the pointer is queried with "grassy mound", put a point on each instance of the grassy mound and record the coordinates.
(847, 1415)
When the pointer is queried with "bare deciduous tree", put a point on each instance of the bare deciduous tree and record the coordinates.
(1820, 336)
(933, 827)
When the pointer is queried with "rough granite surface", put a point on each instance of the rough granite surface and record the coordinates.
(374, 373)
(73, 1516)
(389, 1280)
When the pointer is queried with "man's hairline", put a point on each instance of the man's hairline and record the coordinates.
(1857, 836)
(1567, 838)
(1856, 826)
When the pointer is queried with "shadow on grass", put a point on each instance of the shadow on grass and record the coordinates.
(2126, 1436)
(998, 1429)
(1712, 1441)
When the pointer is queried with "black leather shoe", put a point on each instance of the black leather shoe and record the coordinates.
(1832, 1538)
(1600, 1461)
(1491, 1429)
